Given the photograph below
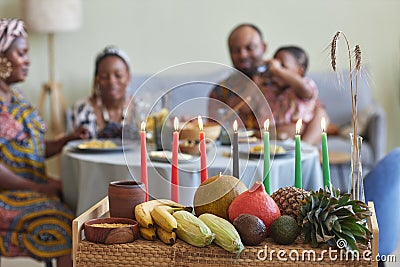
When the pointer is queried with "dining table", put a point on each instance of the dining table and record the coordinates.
(86, 174)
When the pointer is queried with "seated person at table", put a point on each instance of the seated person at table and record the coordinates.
(246, 47)
(105, 111)
(290, 95)
(34, 221)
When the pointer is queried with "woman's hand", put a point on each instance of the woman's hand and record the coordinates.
(80, 133)
(52, 187)
(55, 146)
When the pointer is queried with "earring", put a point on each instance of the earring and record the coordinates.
(98, 91)
(5, 68)
(95, 90)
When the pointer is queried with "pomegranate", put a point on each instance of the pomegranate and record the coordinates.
(257, 202)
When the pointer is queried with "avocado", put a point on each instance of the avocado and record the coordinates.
(284, 230)
(251, 229)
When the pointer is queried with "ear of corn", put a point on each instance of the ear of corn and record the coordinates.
(192, 230)
(226, 235)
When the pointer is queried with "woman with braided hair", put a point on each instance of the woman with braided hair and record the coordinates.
(33, 220)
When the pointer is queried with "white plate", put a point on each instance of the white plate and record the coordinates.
(166, 156)
(289, 150)
(244, 134)
(120, 146)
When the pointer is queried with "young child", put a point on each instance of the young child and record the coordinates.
(289, 93)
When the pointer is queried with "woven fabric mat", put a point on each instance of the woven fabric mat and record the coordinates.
(156, 253)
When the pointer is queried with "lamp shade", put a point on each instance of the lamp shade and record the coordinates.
(50, 16)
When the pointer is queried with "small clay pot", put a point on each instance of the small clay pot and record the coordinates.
(123, 196)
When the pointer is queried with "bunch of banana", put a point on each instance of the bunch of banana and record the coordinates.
(162, 216)
(152, 233)
(166, 237)
(155, 219)
(143, 210)
(148, 233)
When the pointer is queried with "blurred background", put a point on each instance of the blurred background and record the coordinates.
(159, 34)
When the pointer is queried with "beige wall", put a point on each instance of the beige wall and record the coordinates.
(158, 34)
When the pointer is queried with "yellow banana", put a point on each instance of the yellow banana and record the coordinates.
(162, 216)
(143, 210)
(166, 237)
(148, 233)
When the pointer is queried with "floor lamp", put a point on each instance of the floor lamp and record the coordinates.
(50, 17)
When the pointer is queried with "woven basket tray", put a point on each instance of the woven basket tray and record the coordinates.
(156, 253)
(149, 253)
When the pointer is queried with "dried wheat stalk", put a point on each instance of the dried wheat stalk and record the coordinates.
(357, 53)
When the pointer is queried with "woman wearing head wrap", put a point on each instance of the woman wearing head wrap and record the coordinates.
(34, 222)
(105, 111)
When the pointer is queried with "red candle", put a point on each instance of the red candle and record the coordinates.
(143, 159)
(174, 169)
(267, 159)
(203, 153)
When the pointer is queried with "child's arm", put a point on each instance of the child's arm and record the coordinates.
(302, 88)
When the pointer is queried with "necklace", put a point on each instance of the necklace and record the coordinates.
(106, 115)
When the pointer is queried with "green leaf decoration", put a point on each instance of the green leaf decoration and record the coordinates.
(327, 217)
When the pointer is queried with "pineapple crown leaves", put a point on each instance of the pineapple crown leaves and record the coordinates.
(326, 217)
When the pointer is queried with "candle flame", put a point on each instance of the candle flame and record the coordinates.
(266, 124)
(176, 124)
(323, 124)
(298, 126)
(200, 120)
(143, 126)
(235, 126)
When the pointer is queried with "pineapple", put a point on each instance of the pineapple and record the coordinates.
(289, 200)
(327, 217)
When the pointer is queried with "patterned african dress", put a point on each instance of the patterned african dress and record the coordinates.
(82, 114)
(287, 107)
(31, 224)
(231, 92)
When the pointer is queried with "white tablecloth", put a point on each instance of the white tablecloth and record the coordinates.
(85, 176)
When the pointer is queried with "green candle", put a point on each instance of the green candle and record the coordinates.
(297, 170)
(325, 157)
(267, 179)
(235, 150)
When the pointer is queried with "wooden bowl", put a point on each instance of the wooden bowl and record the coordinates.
(191, 131)
(106, 231)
